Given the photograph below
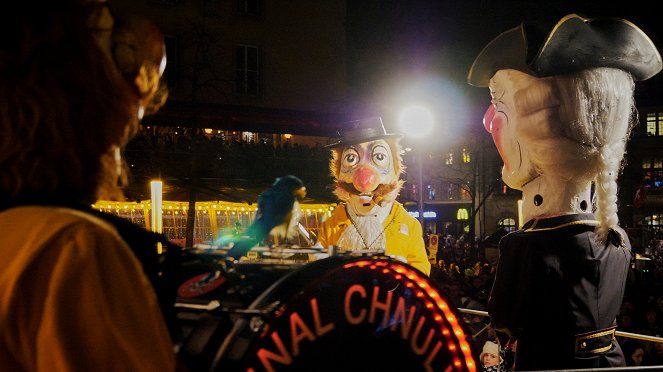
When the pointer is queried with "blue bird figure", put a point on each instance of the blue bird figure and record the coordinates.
(277, 214)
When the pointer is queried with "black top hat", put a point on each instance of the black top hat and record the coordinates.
(363, 130)
(574, 43)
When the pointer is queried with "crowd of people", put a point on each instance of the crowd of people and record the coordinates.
(466, 277)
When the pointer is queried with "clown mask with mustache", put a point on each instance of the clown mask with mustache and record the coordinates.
(367, 174)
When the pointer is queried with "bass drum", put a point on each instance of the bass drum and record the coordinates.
(349, 314)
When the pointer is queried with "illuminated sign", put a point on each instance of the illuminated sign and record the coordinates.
(344, 313)
(462, 214)
(428, 214)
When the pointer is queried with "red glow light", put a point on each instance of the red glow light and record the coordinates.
(440, 309)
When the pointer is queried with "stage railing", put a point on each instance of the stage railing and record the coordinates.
(617, 333)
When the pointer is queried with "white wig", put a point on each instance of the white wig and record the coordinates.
(593, 118)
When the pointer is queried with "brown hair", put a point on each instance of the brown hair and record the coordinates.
(64, 108)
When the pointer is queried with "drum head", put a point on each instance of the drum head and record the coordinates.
(347, 314)
(200, 284)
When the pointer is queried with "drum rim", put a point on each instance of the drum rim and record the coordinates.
(281, 289)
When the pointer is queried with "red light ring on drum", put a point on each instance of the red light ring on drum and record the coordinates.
(436, 304)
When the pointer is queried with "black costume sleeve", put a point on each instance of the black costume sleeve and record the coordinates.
(508, 303)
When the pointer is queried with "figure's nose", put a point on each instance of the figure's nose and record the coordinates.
(364, 179)
(488, 118)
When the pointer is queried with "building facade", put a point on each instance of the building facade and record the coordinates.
(261, 72)
(251, 65)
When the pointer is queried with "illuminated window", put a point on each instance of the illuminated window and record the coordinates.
(449, 158)
(247, 136)
(465, 193)
(466, 156)
(246, 68)
(451, 191)
(655, 124)
(652, 173)
(653, 223)
(508, 224)
(431, 192)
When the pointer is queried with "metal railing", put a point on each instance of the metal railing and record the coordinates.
(617, 333)
(611, 369)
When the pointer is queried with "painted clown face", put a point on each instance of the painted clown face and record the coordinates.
(366, 174)
(516, 122)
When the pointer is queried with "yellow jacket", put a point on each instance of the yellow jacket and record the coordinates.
(403, 234)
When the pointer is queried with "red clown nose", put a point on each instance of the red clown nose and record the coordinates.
(364, 179)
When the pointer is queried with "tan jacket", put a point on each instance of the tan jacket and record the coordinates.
(403, 234)
(73, 297)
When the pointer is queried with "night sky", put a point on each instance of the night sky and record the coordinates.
(403, 51)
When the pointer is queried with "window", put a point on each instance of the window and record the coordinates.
(246, 67)
(431, 192)
(451, 191)
(652, 173)
(653, 223)
(465, 193)
(508, 224)
(449, 158)
(466, 156)
(248, 7)
(655, 124)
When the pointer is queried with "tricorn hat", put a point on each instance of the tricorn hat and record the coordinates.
(574, 43)
(363, 130)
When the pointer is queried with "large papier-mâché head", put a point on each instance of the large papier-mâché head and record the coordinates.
(366, 164)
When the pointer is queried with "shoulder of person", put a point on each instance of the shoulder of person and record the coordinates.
(54, 219)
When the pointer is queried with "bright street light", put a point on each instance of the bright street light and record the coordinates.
(417, 122)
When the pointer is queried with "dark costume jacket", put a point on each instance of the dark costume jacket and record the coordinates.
(558, 292)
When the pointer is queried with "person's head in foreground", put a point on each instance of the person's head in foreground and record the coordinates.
(75, 81)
